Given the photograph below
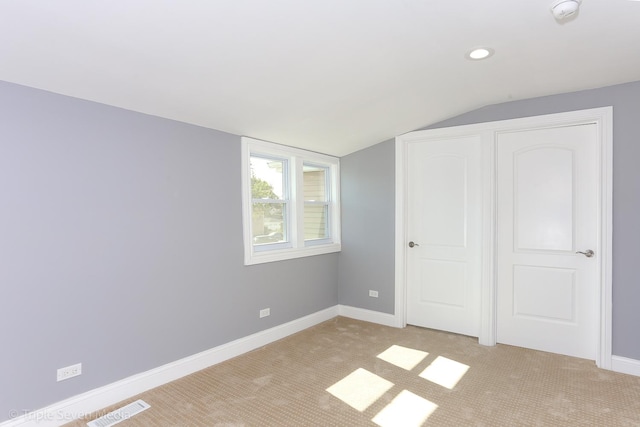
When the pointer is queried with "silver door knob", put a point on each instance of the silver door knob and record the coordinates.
(588, 253)
(411, 244)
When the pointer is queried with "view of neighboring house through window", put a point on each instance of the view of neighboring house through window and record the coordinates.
(316, 202)
(291, 202)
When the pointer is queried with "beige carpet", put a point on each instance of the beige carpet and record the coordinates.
(382, 376)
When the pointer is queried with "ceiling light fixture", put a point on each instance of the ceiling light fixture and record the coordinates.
(480, 53)
(563, 9)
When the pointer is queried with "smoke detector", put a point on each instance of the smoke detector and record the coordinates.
(563, 9)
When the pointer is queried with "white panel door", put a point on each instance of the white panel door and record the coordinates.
(547, 211)
(444, 223)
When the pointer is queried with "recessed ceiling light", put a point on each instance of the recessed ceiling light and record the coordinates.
(480, 53)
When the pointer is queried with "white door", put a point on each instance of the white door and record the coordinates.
(547, 211)
(444, 223)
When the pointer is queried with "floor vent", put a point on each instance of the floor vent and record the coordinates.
(122, 414)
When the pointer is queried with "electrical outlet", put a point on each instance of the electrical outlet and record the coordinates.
(265, 312)
(69, 372)
(373, 294)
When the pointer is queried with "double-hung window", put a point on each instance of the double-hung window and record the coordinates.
(291, 202)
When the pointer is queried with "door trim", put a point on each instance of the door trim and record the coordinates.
(603, 119)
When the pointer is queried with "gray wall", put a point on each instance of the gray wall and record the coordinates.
(121, 247)
(368, 222)
(625, 100)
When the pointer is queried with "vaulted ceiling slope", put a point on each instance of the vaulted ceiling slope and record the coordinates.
(332, 76)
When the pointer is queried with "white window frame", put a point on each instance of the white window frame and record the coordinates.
(296, 247)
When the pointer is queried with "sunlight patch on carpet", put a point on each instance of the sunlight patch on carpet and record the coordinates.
(406, 409)
(445, 372)
(403, 357)
(360, 389)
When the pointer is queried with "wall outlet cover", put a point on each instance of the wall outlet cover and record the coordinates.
(69, 372)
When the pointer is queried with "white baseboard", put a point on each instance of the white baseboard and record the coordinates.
(367, 315)
(94, 400)
(625, 365)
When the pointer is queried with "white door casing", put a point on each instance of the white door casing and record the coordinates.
(602, 119)
(445, 222)
(546, 212)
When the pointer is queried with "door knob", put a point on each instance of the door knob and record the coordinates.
(411, 244)
(588, 253)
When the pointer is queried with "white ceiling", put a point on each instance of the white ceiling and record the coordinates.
(332, 76)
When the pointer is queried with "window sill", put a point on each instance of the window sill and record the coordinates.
(292, 253)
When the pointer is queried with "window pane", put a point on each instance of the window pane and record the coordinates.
(269, 223)
(315, 183)
(267, 178)
(315, 222)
